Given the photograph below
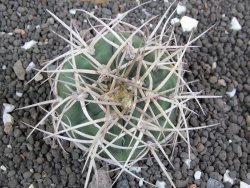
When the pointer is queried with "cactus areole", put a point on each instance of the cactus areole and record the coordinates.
(122, 96)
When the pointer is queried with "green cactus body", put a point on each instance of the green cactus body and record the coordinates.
(74, 115)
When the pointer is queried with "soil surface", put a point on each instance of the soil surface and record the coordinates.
(221, 65)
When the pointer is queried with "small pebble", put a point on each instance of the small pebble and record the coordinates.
(235, 25)
(19, 70)
(212, 183)
(213, 79)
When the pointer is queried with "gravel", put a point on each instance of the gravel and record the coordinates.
(217, 149)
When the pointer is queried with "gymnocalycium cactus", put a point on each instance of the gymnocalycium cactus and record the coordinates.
(120, 94)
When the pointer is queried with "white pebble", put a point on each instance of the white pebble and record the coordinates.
(175, 21)
(38, 77)
(119, 15)
(135, 169)
(141, 182)
(3, 168)
(30, 67)
(197, 175)
(188, 23)
(235, 25)
(38, 26)
(214, 65)
(222, 82)
(230, 141)
(19, 94)
(4, 67)
(31, 186)
(188, 163)
(146, 12)
(227, 178)
(244, 185)
(8, 119)
(231, 93)
(180, 9)
(8, 107)
(29, 44)
(160, 184)
(72, 11)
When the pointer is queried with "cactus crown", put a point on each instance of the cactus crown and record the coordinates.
(120, 95)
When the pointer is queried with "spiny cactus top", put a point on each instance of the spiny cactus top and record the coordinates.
(124, 97)
(120, 94)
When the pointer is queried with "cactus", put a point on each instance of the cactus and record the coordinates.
(120, 95)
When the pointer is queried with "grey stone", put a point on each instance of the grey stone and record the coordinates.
(248, 121)
(222, 82)
(106, 11)
(233, 174)
(215, 175)
(213, 79)
(177, 175)
(8, 128)
(7, 150)
(234, 128)
(40, 160)
(2, 7)
(212, 183)
(122, 184)
(103, 179)
(248, 176)
(221, 104)
(27, 174)
(11, 173)
(51, 21)
(37, 176)
(237, 164)
(12, 182)
(237, 149)
(75, 155)
(21, 9)
(222, 155)
(149, 162)
(115, 8)
(182, 183)
(17, 133)
(19, 70)
(72, 179)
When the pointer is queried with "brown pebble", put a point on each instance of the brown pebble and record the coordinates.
(247, 136)
(200, 147)
(19, 31)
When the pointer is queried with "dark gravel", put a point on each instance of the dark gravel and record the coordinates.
(215, 150)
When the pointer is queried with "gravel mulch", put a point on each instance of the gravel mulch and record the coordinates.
(221, 65)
